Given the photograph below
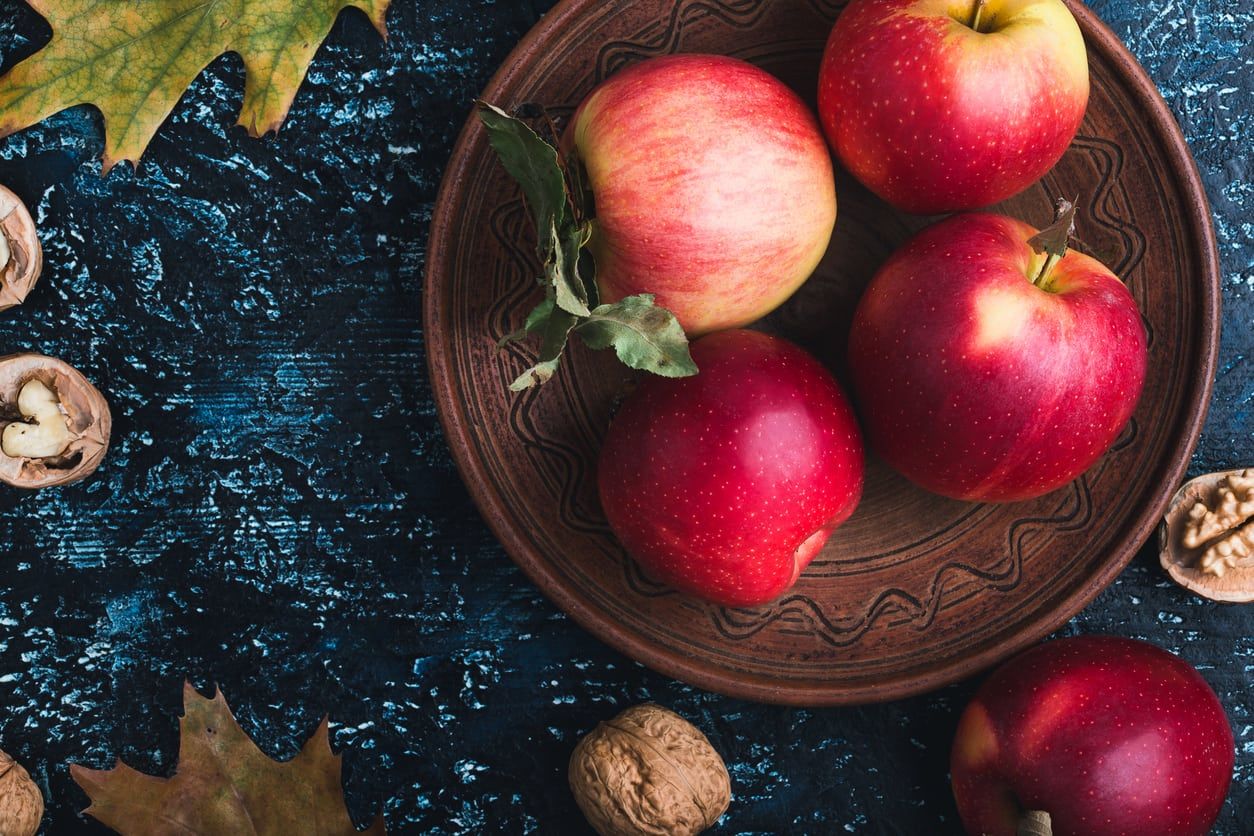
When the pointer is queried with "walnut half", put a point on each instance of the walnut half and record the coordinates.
(21, 257)
(54, 425)
(649, 772)
(1206, 541)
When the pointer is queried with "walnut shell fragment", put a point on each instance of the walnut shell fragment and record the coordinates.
(21, 257)
(1206, 541)
(649, 771)
(81, 406)
(21, 802)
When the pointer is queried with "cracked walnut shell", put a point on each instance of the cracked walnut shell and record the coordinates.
(79, 404)
(21, 257)
(1206, 541)
(649, 771)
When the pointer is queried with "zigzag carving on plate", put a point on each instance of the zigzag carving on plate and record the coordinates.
(639, 582)
(829, 10)
(1125, 439)
(802, 615)
(662, 38)
(507, 224)
(1103, 209)
(1104, 203)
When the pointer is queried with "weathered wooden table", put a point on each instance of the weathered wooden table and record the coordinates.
(280, 515)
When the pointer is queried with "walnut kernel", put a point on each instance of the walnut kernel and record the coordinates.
(1234, 505)
(44, 431)
(1207, 538)
(54, 424)
(1231, 552)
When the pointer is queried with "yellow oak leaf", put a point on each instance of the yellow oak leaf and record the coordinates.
(133, 59)
(224, 785)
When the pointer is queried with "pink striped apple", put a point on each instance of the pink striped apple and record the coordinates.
(941, 105)
(727, 484)
(713, 188)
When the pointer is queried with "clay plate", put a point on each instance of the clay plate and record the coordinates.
(915, 591)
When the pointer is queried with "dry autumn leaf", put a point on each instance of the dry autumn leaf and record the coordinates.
(133, 60)
(224, 785)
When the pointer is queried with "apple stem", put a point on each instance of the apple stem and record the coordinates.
(979, 10)
(1053, 239)
(1035, 823)
(1050, 261)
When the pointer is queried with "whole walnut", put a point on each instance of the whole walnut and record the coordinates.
(649, 771)
(21, 803)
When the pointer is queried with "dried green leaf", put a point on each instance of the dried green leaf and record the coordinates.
(587, 272)
(562, 272)
(1055, 238)
(580, 190)
(645, 336)
(536, 320)
(224, 784)
(535, 165)
(539, 316)
(541, 372)
(555, 331)
(133, 60)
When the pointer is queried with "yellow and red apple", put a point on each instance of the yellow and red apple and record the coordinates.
(943, 105)
(986, 371)
(1106, 736)
(713, 188)
(727, 484)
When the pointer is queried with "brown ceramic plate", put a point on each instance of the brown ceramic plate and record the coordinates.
(915, 591)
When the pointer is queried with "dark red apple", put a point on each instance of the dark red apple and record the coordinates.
(940, 105)
(726, 485)
(713, 188)
(985, 371)
(1108, 736)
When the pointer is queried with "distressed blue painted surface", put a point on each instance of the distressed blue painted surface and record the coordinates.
(280, 514)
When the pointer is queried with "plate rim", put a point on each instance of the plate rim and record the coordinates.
(680, 666)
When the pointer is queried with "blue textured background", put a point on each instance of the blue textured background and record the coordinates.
(280, 513)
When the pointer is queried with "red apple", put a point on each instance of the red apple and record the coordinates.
(934, 114)
(713, 188)
(1109, 736)
(727, 484)
(977, 379)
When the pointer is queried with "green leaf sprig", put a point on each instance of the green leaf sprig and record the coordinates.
(644, 336)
